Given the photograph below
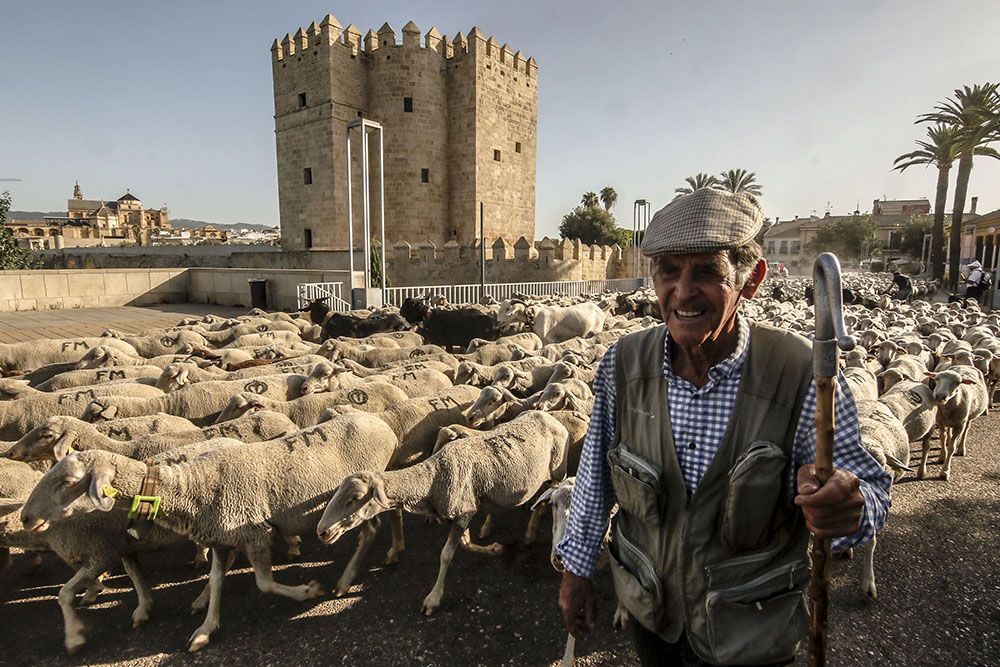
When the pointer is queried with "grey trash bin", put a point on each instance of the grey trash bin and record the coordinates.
(258, 293)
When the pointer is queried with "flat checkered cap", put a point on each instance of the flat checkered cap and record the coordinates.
(707, 220)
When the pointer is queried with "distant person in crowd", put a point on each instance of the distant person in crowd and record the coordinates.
(976, 280)
(902, 284)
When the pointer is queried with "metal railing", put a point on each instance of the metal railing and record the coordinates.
(334, 291)
(500, 291)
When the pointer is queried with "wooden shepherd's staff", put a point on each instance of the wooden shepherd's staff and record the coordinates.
(831, 337)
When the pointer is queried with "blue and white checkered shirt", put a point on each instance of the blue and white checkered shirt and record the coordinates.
(698, 417)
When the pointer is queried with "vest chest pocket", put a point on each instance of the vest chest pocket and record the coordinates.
(637, 484)
(755, 484)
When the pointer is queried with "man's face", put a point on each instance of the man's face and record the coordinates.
(698, 295)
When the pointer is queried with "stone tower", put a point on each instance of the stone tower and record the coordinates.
(460, 120)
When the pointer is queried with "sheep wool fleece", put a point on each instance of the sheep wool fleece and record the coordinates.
(727, 566)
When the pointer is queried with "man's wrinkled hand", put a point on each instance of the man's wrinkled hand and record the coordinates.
(833, 509)
(578, 604)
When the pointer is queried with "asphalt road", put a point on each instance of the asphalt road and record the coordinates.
(936, 563)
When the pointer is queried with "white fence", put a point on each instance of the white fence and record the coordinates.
(501, 291)
(334, 291)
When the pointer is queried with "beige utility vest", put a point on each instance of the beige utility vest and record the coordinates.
(728, 566)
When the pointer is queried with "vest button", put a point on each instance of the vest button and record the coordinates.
(692, 445)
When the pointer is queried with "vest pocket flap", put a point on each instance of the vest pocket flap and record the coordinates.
(636, 583)
(762, 620)
(755, 484)
(637, 484)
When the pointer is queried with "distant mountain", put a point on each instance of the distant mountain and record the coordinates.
(183, 223)
(34, 215)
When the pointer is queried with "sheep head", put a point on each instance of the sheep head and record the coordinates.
(173, 377)
(359, 498)
(946, 384)
(239, 405)
(97, 357)
(558, 496)
(80, 483)
(491, 401)
(51, 441)
(12, 389)
(322, 378)
(99, 410)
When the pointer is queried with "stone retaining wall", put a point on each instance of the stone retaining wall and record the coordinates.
(43, 290)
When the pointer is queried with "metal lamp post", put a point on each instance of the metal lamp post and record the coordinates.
(640, 220)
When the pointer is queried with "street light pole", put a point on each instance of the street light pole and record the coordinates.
(640, 220)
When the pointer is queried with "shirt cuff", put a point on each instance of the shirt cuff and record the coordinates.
(872, 520)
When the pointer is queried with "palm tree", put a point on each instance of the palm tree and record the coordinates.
(590, 199)
(940, 151)
(974, 112)
(699, 181)
(739, 180)
(609, 197)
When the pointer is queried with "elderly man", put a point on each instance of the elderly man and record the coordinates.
(703, 433)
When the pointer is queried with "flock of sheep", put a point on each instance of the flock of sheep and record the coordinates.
(257, 430)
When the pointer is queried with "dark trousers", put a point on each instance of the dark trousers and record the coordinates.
(654, 651)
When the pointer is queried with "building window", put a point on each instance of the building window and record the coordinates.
(425, 175)
(784, 248)
(302, 100)
(408, 104)
(307, 176)
(895, 239)
(308, 234)
(795, 247)
(496, 154)
(770, 247)
(517, 146)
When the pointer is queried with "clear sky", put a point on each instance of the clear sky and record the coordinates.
(174, 99)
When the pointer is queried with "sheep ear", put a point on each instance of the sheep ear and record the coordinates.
(968, 381)
(542, 499)
(63, 445)
(378, 493)
(182, 376)
(931, 375)
(101, 492)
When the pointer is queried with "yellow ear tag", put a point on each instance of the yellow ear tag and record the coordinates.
(109, 491)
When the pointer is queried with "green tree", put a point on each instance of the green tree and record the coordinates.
(940, 151)
(593, 224)
(974, 112)
(12, 256)
(913, 235)
(764, 229)
(609, 197)
(849, 238)
(697, 182)
(739, 180)
(590, 199)
(375, 266)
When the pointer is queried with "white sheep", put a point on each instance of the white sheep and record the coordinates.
(960, 395)
(90, 376)
(505, 467)
(233, 495)
(415, 382)
(307, 410)
(38, 353)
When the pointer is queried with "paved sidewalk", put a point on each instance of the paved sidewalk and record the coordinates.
(29, 325)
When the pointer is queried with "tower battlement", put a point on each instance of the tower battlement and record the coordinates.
(459, 117)
(329, 33)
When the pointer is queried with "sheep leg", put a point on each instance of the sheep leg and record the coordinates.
(569, 657)
(94, 588)
(531, 532)
(398, 539)
(365, 537)
(960, 450)
(142, 591)
(469, 545)
(433, 599)
(202, 600)
(199, 639)
(260, 558)
(487, 528)
(948, 442)
(200, 556)
(868, 574)
(293, 543)
(74, 639)
(926, 451)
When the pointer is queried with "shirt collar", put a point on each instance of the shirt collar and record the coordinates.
(723, 369)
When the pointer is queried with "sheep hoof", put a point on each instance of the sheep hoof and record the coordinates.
(494, 549)
(870, 592)
(314, 590)
(74, 645)
(945, 474)
(392, 556)
(139, 616)
(428, 609)
(341, 591)
(197, 642)
(620, 621)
